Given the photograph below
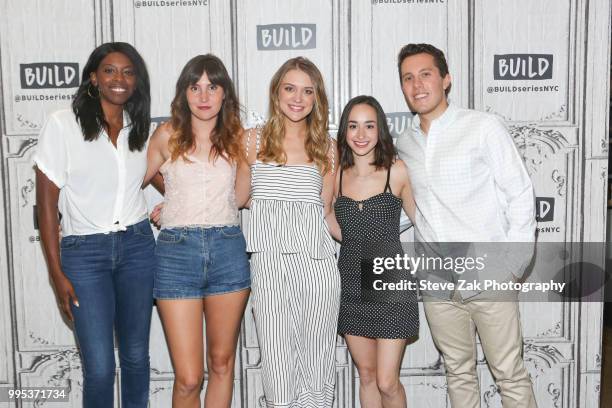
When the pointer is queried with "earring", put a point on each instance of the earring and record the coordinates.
(89, 92)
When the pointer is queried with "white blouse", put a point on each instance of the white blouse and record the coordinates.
(100, 185)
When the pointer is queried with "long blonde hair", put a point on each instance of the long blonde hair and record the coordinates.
(317, 140)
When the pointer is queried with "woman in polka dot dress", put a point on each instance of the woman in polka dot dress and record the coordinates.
(372, 187)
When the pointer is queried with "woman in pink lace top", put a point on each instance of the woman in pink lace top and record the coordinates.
(202, 266)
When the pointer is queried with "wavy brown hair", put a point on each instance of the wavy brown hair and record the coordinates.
(226, 135)
(317, 140)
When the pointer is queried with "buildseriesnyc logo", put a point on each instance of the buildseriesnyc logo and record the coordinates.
(286, 37)
(48, 75)
(545, 209)
(522, 66)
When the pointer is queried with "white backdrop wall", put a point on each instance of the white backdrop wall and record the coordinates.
(540, 65)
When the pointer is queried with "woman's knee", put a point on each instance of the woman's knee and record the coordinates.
(188, 383)
(134, 358)
(99, 375)
(367, 374)
(221, 363)
(388, 384)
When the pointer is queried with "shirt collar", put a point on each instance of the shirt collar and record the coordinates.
(447, 117)
(126, 119)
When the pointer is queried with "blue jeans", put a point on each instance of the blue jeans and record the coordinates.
(112, 275)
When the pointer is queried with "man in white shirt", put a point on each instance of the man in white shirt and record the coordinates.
(470, 185)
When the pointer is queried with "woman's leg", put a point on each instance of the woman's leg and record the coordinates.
(313, 303)
(363, 351)
(86, 261)
(133, 283)
(273, 323)
(182, 321)
(223, 314)
(388, 361)
(228, 280)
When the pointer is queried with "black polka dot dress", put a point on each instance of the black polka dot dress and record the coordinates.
(370, 228)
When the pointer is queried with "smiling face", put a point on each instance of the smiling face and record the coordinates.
(296, 95)
(362, 130)
(115, 79)
(205, 99)
(423, 86)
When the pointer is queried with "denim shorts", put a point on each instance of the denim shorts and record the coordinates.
(195, 262)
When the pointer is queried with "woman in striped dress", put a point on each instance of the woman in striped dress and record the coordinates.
(295, 280)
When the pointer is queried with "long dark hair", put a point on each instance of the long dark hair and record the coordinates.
(225, 137)
(86, 104)
(384, 152)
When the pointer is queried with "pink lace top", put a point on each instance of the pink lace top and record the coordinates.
(199, 193)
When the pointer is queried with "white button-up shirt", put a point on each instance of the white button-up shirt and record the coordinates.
(469, 181)
(100, 185)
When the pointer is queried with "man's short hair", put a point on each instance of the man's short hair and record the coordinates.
(409, 50)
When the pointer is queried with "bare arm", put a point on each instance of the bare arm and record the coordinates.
(332, 222)
(243, 173)
(47, 196)
(157, 153)
(327, 193)
(399, 172)
(158, 182)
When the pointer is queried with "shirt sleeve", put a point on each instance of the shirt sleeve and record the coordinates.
(51, 155)
(516, 193)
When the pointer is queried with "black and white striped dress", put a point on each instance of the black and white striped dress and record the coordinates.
(295, 285)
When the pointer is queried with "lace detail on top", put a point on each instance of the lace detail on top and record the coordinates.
(199, 193)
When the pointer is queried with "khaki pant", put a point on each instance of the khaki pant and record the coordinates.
(453, 326)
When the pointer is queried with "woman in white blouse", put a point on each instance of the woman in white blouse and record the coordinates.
(91, 162)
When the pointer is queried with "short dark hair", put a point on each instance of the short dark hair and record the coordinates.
(88, 109)
(384, 152)
(409, 50)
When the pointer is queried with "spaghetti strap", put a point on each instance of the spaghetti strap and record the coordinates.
(388, 185)
(257, 141)
(340, 189)
(248, 142)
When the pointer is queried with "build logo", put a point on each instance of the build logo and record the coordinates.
(47, 75)
(286, 37)
(522, 66)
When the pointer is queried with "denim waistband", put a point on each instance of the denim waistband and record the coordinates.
(198, 227)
